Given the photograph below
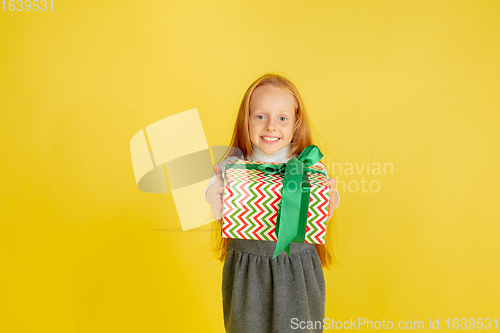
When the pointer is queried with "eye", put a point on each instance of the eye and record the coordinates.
(260, 116)
(284, 118)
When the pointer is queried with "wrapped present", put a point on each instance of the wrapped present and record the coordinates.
(282, 202)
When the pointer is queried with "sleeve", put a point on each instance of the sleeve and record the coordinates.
(211, 181)
(324, 169)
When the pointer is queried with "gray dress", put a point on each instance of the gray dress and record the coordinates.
(261, 294)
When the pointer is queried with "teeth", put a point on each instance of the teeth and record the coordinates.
(270, 139)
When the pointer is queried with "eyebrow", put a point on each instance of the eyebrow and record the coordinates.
(264, 109)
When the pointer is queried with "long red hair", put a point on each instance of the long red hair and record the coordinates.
(241, 144)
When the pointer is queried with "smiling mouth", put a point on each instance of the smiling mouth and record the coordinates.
(270, 139)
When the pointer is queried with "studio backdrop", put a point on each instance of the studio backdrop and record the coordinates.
(403, 100)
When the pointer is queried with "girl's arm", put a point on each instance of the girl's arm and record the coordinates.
(215, 189)
(331, 183)
(211, 181)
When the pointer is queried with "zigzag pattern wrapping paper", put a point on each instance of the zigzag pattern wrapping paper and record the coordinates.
(251, 202)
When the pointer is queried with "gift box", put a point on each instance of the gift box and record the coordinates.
(282, 202)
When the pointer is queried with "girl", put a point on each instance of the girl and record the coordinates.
(261, 294)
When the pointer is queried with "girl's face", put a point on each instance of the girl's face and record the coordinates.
(272, 118)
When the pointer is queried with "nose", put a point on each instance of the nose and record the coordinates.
(270, 125)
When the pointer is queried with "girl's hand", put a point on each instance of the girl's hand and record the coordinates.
(333, 198)
(214, 194)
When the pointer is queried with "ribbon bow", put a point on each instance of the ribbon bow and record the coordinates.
(291, 222)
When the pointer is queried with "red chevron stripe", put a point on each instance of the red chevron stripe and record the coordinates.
(272, 234)
(227, 221)
(259, 207)
(273, 218)
(260, 177)
(325, 200)
(321, 222)
(309, 210)
(243, 212)
(323, 230)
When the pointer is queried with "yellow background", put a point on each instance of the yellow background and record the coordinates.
(412, 83)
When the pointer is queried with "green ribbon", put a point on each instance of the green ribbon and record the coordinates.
(291, 221)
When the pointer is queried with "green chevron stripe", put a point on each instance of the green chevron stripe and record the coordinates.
(314, 216)
(252, 210)
(234, 199)
(268, 225)
(248, 180)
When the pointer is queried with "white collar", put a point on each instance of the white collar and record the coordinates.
(281, 156)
